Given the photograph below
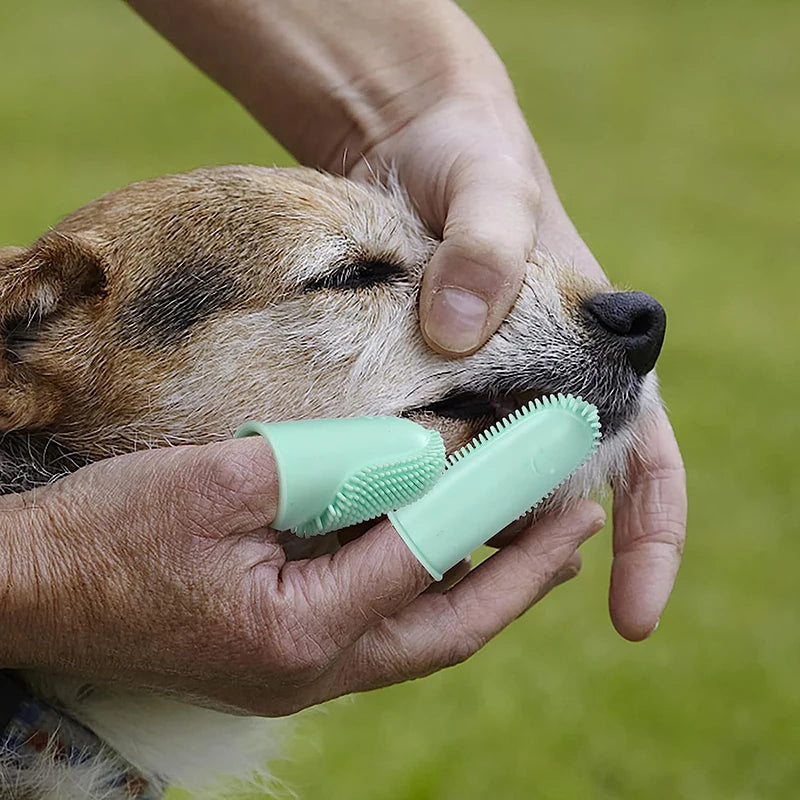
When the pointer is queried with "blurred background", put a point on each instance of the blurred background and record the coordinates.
(673, 134)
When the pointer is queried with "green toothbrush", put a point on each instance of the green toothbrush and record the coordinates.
(337, 472)
(501, 475)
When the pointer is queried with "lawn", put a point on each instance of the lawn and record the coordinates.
(673, 133)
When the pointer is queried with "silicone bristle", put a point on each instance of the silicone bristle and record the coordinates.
(575, 405)
(376, 490)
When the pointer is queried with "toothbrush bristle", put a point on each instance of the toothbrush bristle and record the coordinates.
(567, 402)
(376, 489)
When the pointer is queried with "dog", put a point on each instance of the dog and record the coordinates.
(172, 310)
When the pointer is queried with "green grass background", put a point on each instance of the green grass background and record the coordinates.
(673, 132)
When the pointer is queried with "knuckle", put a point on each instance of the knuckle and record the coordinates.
(485, 244)
(511, 176)
(395, 654)
(667, 533)
(538, 560)
(656, 512)
(221, 476)
(388, 649)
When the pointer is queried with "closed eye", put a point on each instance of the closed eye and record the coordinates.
(357, 275)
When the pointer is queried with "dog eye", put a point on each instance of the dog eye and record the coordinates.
(357, 275)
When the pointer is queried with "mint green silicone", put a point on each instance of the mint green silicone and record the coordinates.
(501, 475)
(337, 472)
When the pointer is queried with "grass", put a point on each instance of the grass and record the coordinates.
(672, 132)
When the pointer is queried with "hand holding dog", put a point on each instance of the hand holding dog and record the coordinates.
(479, 179)
(177, 582)
(414, 83)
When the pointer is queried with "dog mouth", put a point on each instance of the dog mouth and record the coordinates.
(471, 405)
(480, 409)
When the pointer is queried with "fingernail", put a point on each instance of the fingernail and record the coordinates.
(597, 524)
(593, 525)
(456, 320)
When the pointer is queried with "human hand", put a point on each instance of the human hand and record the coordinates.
(415, 84)
(476, 177)
(159, 570)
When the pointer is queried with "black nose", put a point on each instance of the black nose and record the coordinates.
(636, 320)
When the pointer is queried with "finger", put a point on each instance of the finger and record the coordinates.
(475, 274)
(439, 630)
(225, 488)
(243, 699)
(649, 533)
(452, 576)
(343, 594)
(512, 530)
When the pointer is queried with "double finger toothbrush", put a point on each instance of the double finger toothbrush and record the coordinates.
(337, 472)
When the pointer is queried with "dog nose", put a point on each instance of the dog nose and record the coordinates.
(636, 320)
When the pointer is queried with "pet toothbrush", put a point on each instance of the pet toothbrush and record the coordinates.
(337, 472)
(501, 475)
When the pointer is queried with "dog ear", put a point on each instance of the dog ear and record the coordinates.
(51, 276)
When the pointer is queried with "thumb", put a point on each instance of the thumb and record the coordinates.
(212, 490)
(221, 489)
(475, 274)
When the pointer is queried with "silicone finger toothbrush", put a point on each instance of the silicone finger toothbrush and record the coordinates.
(335, 473)
(501, 475)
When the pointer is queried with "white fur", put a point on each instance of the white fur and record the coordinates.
(163, 739)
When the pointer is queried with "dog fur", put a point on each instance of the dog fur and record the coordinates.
(172, 310)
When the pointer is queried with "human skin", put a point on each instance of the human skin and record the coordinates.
(352, 86)
(175, 581)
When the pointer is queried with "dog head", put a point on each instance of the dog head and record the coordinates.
(174, 309)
